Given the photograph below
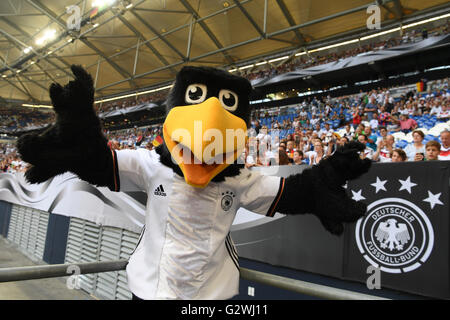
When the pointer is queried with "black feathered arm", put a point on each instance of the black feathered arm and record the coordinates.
(74, 142)
(319, 190)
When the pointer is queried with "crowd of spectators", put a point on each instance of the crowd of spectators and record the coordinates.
(124, 139)
(131, 101)
(9, 159)
(311, 131)
(314, 59)
(134, 138)
(23, 118)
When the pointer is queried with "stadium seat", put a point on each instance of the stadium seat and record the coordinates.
(401, 144)
(409, 137)
(399, 136)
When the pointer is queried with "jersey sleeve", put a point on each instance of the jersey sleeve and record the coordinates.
(259, 193)
(133, 169)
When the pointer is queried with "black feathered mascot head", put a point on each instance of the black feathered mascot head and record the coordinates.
(206, 123)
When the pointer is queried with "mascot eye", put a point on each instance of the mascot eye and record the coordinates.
(195, 93)
(228, 99)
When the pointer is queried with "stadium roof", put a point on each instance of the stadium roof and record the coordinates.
(128, 45)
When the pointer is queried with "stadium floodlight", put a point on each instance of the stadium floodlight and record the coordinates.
(438, 68)
(278, 59)
(48, 35)
(134, 94)
(246, 67)
(36, 105)
(261, 63)
(380, 33)
(154, 90)
(334, 45)
(27, 50)
(426, 21)
(232, 70)
(300, 54)
(102, 3)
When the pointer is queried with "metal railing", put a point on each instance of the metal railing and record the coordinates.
(61, 270)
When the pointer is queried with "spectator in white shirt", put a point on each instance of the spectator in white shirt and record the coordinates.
(445, 145)
(445, 112)
(368, 152)
(320, 132)
(263, 138)
(436, 109)
(374, 122)
(327, 129)
(416, 150)
(348, 133)
(318, 153)
(384, 149)
(313, 121)
(403, 111)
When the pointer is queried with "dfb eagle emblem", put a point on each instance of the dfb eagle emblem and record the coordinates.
(392, 235)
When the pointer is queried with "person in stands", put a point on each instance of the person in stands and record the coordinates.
(416, 150)
(432, 148)
(445, 145)
(398, 155)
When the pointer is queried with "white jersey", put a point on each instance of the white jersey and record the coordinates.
(384, 155)
(444, 154)
(185, 251)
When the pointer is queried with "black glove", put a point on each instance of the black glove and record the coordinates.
(319, 190)
(75, 142)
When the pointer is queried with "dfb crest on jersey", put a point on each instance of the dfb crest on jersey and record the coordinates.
(396, 235)
(227, 200)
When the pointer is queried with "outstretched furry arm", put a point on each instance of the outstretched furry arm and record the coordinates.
(75, 142)
(321, 191)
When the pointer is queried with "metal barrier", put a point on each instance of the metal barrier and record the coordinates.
(61, 270)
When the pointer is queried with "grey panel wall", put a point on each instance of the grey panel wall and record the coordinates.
(89, 242)
(28, 229)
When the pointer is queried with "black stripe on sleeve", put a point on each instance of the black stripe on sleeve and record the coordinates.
(116, 171)
(274, 204)
(112, 180)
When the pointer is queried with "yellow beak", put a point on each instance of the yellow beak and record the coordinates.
(204, 139)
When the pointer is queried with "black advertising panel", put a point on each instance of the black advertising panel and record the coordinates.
(406, 231)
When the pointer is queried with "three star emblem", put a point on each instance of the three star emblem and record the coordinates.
(407, 185)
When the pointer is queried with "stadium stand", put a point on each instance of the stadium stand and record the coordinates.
(311, 94)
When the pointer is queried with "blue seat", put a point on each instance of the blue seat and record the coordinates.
(402, 144)
(430, 137)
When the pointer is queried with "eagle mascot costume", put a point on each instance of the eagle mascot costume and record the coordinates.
(185, 250)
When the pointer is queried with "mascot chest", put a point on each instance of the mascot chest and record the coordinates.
(193, 209)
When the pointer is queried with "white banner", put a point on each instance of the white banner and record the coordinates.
(69, 196)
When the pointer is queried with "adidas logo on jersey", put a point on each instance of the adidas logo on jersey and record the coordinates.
(160, 191)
